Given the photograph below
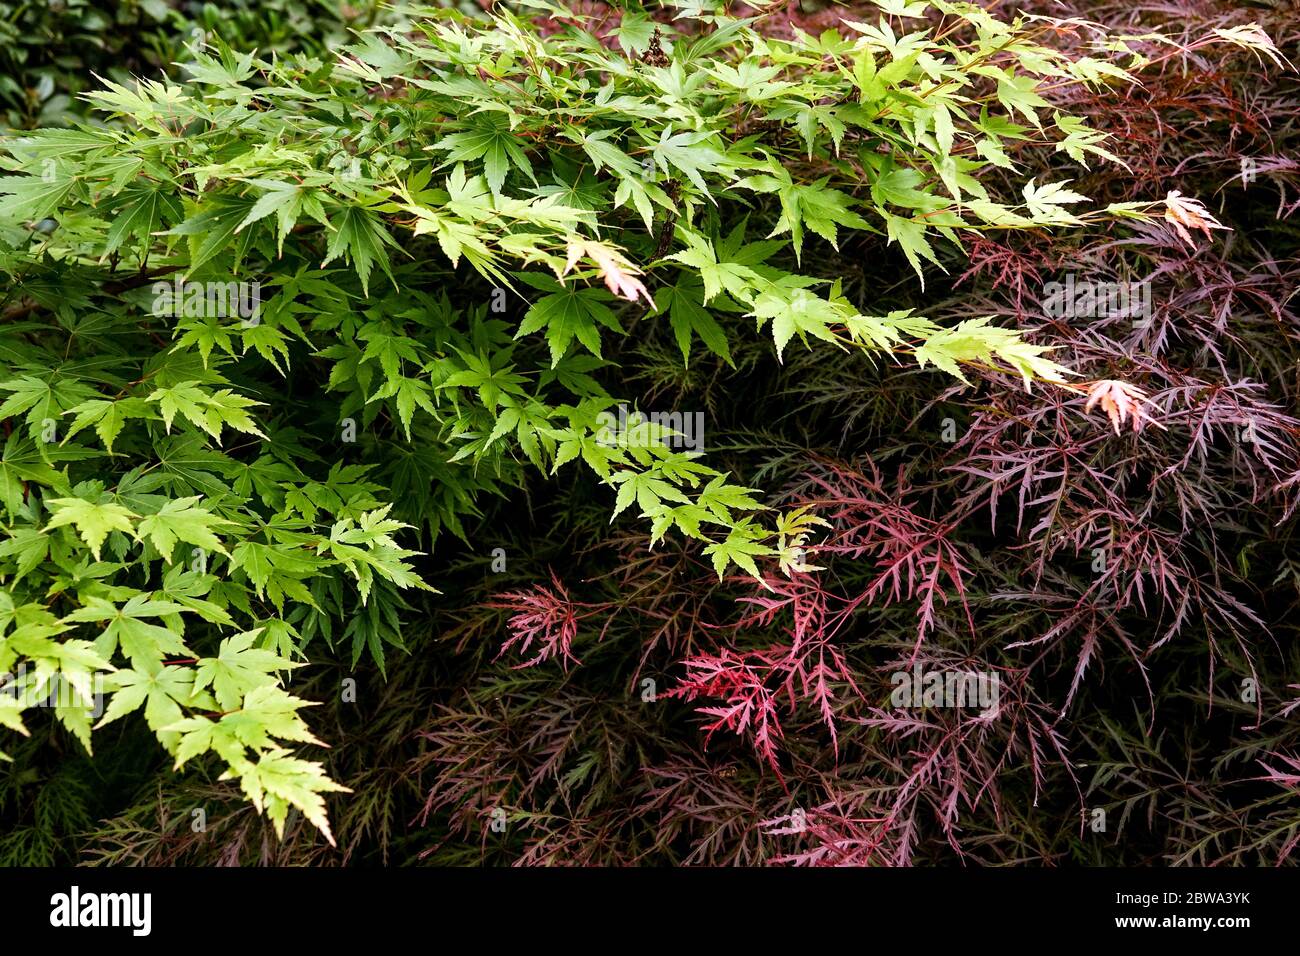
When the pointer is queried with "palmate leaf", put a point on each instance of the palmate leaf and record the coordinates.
(1046, 203)
(359, 236)
(187, 466)
(911, 238)
(278, 781)
(634, 32)
(73, 663)
(29, 547)
(647, 490)
(741, 547)
(276, 572)
(127, 627)
(209, 411)
(366, 548)
(239, 668)
(206, 333)
(43, 399)
(180, 520)
(974, 340)
(490, 140)
(140, 212)
(722, 499)
(108, 416)
(286, 201)
(690, 152)
(271, 778)
(210, 228)
(267, 714)
(684, 305)
(11, 717)
(817, 206)
(567, 312)
(94, 521)
(162, 691)
(1018, 92)
(25, 198)
(797, 310)
(22, 462)
(33, 148)
(734, 278)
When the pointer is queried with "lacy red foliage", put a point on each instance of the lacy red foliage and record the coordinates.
(543, 615)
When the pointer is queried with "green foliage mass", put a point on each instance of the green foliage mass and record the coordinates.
(52, 51)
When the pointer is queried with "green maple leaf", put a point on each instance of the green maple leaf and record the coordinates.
(976, 340)
(690, 152)
(161, 690)
(492, 142)
(731, 277)
(740, 548)
(1020, 93)
(819, 207)
(34, 197)
(910, 236)
(42, 400)
(211, 228)
(1045, 203)
(276, 572)
(93, 521)
(75, 662)
(108, 416)
(179, 520)
(721, 498)
(143, 643)
(797, 310)
(20, 463)
(684, 304)
(139, 214)
(209, 412)
(207, 333)
(11, 716)
(29, 547)
(198, 735)
(267, 712)
(238, 668)
(279, 781)
(568, 312)
(646, 489)
(360, 235)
